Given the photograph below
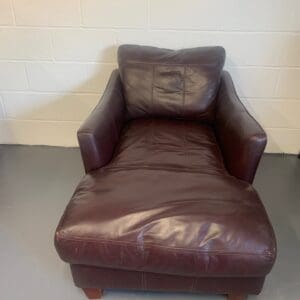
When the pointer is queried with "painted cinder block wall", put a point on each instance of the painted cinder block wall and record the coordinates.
(56, 56)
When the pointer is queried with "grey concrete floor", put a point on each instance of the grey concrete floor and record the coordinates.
(35, 186)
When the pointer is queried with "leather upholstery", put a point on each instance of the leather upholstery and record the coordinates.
(163, 144)
(95, 277)
(167, 83)
(165, 205)
(241, 138)
(167, 193)
(99, 134)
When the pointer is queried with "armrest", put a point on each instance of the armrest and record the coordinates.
(241, 138)
(99, 134)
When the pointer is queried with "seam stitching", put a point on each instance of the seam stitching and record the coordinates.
(88, 240)
(169, 64)
(152, 89)
(183, 94)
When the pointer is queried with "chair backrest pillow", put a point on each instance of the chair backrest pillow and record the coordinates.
(170, 83)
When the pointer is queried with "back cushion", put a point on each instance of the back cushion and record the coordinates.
(166, 83)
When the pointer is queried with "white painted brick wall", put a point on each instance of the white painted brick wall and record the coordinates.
(25, 44)
(46, 13)
(56, 57)
(13, 76)
(114, 13)
(6, 13)
(52, 106)
(84, 45)
(1, 109)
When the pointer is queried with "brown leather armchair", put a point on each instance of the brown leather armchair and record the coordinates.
(166, 203)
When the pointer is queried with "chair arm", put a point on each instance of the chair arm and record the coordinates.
(99, 134)
(241, 138)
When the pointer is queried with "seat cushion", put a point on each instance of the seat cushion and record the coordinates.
(168, 83)
(161, 144)
(165, 204)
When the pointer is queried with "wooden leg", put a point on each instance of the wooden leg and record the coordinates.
(93, 293)
(237, 297)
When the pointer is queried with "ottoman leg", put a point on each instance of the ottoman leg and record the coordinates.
(237, 297)
(93, 293)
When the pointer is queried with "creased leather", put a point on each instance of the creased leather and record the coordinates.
(163, 206)
(167, 83)
(99, 134)
(95, 277)
(241, 138)
(166, 193)
(161, 144)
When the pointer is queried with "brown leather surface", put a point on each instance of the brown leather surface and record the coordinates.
(99, 134)
(95, 277)
(164, 83)
(161, 144)
(167, 186)
(169, 208)
(241, 138)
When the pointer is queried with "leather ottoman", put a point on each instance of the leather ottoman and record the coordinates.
(167, 209)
